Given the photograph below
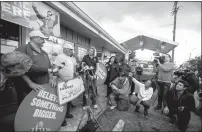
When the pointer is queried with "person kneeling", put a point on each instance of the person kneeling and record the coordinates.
(179, 102)
(121, 89)
(142, 93)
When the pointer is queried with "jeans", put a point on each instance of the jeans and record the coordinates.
(90, 91)
(162, 90)
(183, 117)
(109, 90)
(68, 108)
(121, 103)
(134, 99)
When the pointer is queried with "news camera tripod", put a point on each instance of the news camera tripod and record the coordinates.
(87, 81)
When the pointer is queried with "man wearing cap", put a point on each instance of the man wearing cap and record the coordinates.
(121, 90)
(38, 74)
(180, 102)
(66, 70)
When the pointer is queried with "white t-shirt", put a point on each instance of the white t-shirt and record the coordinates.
(67, 72)
(143, 94)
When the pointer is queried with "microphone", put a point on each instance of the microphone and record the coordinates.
(56, 70)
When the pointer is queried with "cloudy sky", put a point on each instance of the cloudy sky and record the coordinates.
(125, 20)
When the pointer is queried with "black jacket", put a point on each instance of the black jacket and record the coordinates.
(112, 72)
(186, 100)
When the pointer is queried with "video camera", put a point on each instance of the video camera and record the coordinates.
(182, 73)
(160, 58)
(139, 70)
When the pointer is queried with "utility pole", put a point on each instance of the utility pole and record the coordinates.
(174, 13)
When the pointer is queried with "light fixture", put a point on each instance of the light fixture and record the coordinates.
(141, 40)
(163, 46)
(141, 43)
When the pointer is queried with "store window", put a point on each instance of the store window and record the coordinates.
(9, 36)
(81, 52)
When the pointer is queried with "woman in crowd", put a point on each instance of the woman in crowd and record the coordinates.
(112, 73)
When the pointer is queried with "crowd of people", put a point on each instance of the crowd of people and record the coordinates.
(29, 67)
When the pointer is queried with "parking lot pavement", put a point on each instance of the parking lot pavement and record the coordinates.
(80, 114)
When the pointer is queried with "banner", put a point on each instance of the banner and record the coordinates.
(70, 90)
(101, 74)
(33, 15)
(40, 111)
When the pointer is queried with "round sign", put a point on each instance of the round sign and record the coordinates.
(101, 75)
(40, 111)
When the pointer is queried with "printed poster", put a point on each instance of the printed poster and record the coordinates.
(33, 15)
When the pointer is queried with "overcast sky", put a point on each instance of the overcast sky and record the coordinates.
(124, 20)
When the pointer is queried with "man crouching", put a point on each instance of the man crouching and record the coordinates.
(142, 93)
(121, 89)
(179, 102)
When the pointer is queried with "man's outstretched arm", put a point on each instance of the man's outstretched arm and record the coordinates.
(40, 16)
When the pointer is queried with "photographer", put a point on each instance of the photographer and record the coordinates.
(164, 72)
(91, 61)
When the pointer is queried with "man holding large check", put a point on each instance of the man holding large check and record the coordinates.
(65, 67)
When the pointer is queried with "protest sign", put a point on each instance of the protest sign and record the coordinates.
(40, 111)
(101, 74)
(70, 90)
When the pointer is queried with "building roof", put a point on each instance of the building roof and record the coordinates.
(151, 43)
(72, 16)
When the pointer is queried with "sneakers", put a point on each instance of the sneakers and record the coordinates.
(158, 107)
(112, 107)
(95, 106)
(64, 123)
(72, 106)
(84, 107)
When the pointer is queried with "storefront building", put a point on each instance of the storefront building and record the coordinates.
(62, 22)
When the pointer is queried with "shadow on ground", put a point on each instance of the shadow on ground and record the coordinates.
(138, 122)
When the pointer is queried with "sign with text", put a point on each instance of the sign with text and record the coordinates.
(101, 74)
(70, 90)
(40, 111)
(33, 15)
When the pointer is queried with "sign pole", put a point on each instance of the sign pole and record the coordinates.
(174, 13)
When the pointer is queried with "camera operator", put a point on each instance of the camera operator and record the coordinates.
(139, 71)
(164, 72)
(91, 61)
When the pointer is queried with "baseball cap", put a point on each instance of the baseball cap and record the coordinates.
(68, 46)
(37, 33)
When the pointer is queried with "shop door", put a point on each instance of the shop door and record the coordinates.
(9, 36)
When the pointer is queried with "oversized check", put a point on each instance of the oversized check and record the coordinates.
(70, 90)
